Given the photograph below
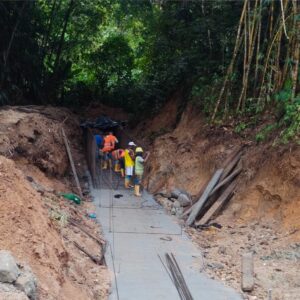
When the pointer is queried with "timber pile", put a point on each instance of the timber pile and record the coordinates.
(216, 193)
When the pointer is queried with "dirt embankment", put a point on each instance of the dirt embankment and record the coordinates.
(264, 214)
(33, 217)
(35, 134)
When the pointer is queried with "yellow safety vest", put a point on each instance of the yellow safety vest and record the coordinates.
(128, 160)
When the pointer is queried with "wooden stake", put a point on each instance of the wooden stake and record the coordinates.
(71, 162)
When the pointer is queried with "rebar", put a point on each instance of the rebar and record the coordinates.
(173, 270)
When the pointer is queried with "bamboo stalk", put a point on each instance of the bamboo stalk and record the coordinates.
(230, 67)
(258, 46)
(296, 53)
(267, 59)
(283, 19)
(271, 18)
(247, 62)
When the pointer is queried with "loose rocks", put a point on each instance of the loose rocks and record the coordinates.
(9, 270)
(26, 282)
(15, 282)
(9, 292)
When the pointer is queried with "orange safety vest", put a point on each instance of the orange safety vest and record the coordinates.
(109, 143)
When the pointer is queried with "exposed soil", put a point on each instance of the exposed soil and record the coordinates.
(264, 214)
(34, 219)
(34, 133)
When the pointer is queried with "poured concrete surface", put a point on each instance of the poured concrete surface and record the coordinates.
(137, 231)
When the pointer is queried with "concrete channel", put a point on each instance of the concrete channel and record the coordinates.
(137, 231)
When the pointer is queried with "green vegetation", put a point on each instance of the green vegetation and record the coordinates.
(231, 58)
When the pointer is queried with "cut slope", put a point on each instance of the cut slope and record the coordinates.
(33, 225)
(262, 216)
(34, 133)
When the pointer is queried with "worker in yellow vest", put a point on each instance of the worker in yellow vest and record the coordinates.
(129, 164)
(140, 159)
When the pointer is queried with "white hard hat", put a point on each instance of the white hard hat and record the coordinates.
(131, 144)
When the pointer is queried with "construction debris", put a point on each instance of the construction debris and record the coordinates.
(216, 193)
(195, 212)
(215, 208)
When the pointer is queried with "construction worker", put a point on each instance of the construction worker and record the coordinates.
(118, 156)
(108, 146)
(129, 164)
(99, 142)
(139, 169)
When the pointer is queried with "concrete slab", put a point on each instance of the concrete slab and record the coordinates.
(138, 230)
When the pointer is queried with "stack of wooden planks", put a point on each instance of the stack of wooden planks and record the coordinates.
(216, 193)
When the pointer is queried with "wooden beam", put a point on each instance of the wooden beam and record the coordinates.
(71, 162)
(231, 165)
(226, 180)
(216, 207)
(191, 219)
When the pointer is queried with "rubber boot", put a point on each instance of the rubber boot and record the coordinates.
(109, 164)
(104, 165)
(122, 173)
(137, 191)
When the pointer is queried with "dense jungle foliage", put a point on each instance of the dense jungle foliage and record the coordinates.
(230, 58)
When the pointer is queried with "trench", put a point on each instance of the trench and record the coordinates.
(139, 231)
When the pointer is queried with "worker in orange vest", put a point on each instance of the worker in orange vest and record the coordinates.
(108, 146)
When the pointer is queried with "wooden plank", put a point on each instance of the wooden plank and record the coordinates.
(216, 207)
(220, 185)
(71, 162)
(236, 172)
(192, 217)
(231, 165)
(247, 272)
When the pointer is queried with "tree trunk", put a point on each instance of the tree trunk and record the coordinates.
(62, 37)
(7, 52)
